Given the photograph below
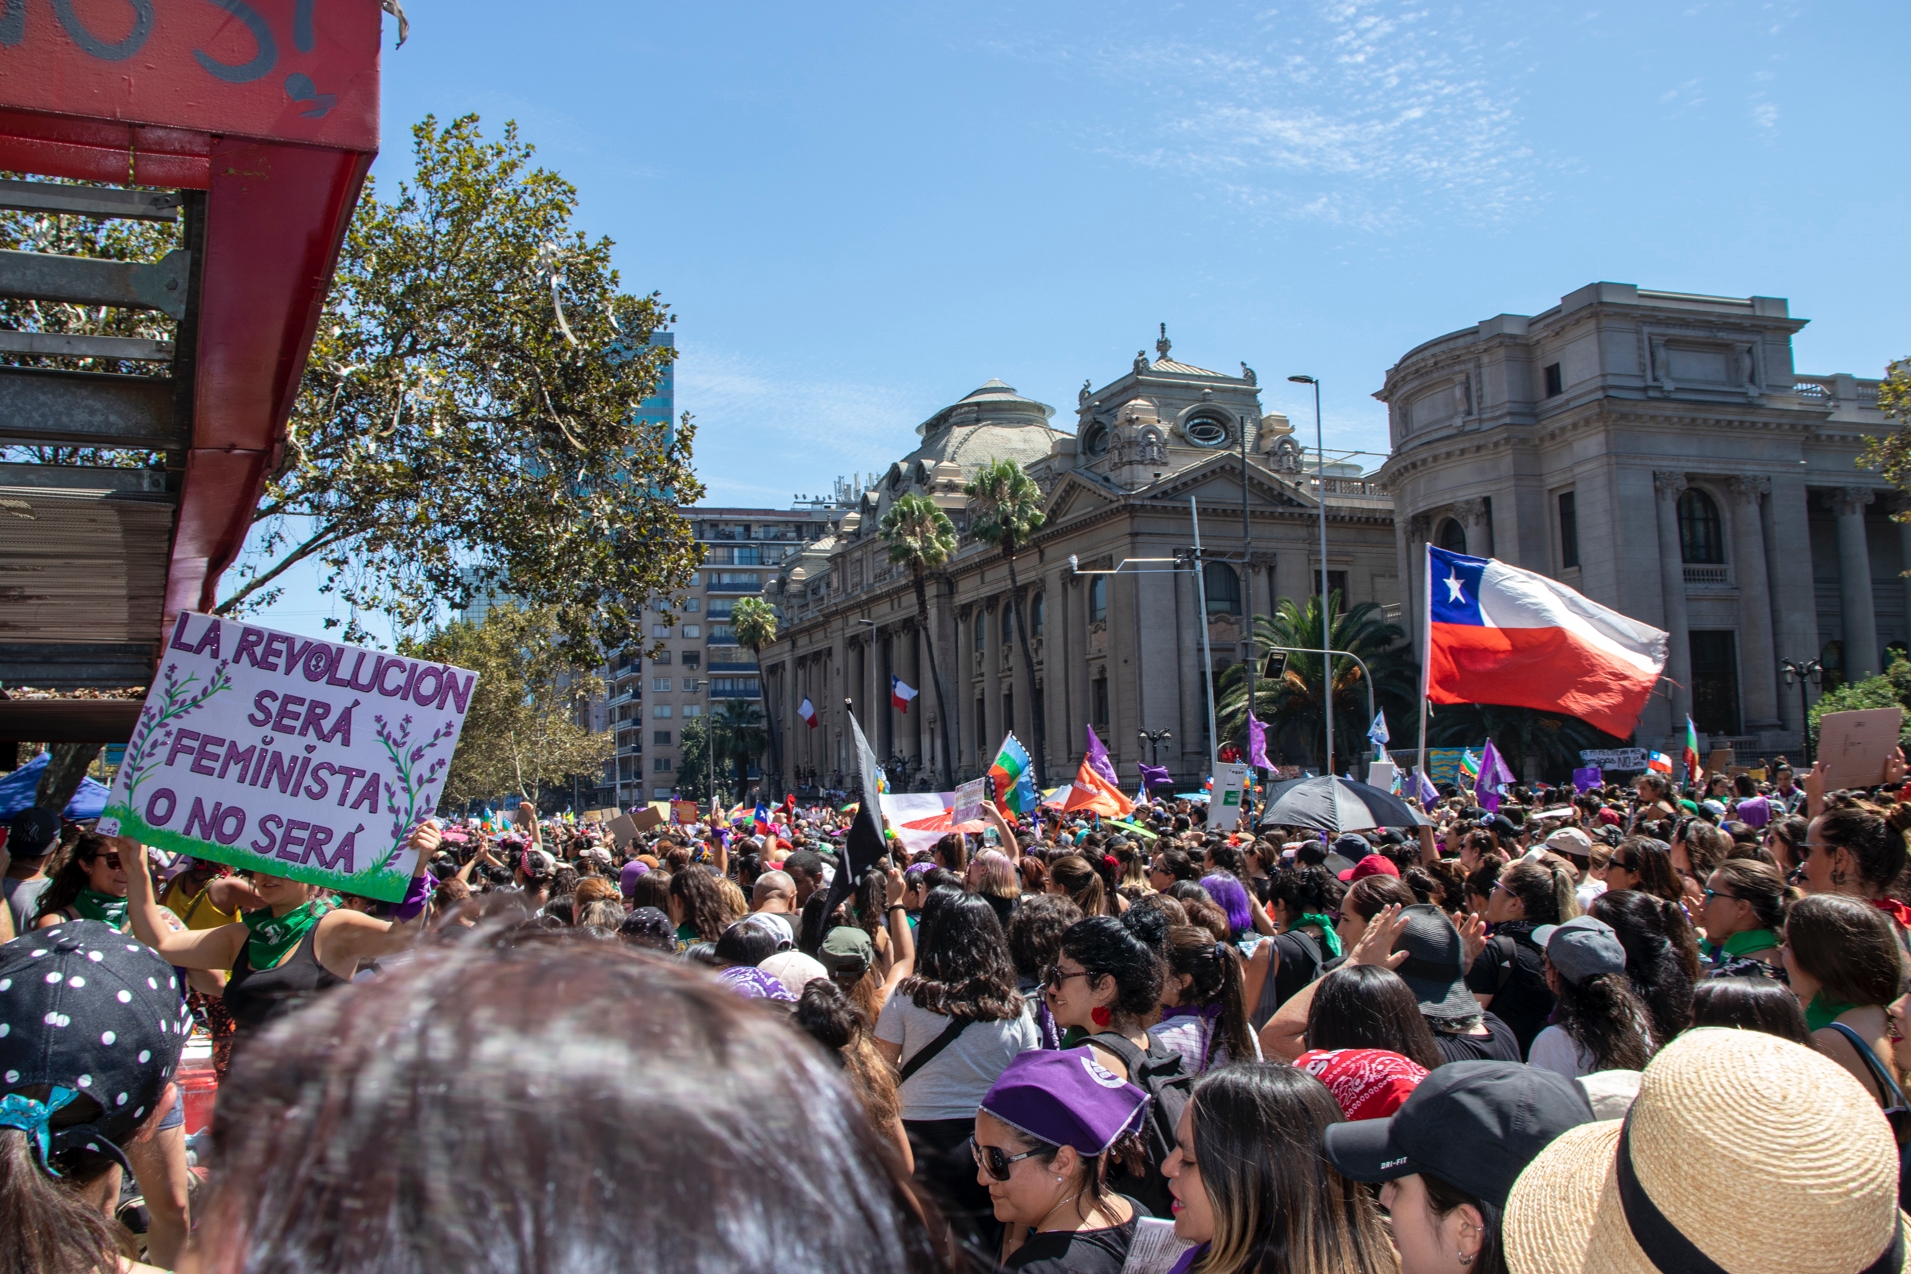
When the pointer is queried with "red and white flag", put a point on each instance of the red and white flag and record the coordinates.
(1498, 634)
(807, 711)
(900, 693)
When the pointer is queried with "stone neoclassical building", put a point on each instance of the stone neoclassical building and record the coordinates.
(1121, 651)
(1656, 451)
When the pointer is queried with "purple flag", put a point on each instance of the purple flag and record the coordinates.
(1098, 759)
(1154, 776)
(1424, 789)
(1493, 772)
(1587, 779)
(1257, 743)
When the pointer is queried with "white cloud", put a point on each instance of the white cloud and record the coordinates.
(765, 432)
(1365, 112)
(1765, 115)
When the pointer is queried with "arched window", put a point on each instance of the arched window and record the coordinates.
(1452, 536)
(1701, 539)
(1223, 588)
(1097, 599)
(981, 632)
(1036, 614)
(1008, 624)
(1205, 431)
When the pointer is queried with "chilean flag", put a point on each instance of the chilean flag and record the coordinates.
(900, 693)
(1498, 634)
(807, 711)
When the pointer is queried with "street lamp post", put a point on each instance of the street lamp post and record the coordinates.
(1805, 675)
(1326, 627)
(1154, 739)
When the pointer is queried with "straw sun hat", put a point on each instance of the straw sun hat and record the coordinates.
(1757, 1153)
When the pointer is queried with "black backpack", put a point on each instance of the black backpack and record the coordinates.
(1158, 1073)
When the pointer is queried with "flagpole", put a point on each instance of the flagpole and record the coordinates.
(1426, 648)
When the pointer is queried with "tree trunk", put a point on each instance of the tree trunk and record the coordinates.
(935, 675)
(65, 767)
(769, 719)
(1028, 666)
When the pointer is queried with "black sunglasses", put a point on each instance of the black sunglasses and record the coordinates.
(996, 1161)
(1053, 975)
(1624, 864)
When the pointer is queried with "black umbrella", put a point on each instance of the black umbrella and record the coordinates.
(1336, 805)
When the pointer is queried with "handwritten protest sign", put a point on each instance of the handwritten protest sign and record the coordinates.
(287, 755)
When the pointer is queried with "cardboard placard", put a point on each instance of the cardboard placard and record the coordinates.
(683, 811)
(622, 830)
(645, 819)
(1719, 761)
(968, 801)
(282, 754)
(1381, 774)
(1854, 745)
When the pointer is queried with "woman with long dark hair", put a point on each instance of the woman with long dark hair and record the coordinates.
(1745, 902)
(89, 885)
(1204, 1002)
(829, 1017)
(1859, 854)
(951, 1026)
(1370, 1006)
(1303, 900)
(1654, 933)
(1846, 968)
(1598, 1023)
(1646, 865)
(1252, 1189)
(1509, 974)
(1755, 1003)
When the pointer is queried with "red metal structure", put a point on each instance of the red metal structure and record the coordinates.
(263, 116)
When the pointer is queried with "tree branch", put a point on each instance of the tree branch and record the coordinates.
(323, 539)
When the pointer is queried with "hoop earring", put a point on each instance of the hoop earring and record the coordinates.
(1466, 1258)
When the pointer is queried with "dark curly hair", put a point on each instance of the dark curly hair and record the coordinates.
(1651, 929)
(1109, 949)
(1875, 843)
(1607, 1019)
(1035, 932)
(696, 892)
(1307, 890)
(962, 960)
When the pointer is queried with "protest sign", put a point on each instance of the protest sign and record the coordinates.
(968, 801)
(1855, 745)
(684, 812)
(647, 818)
(622, 830)
(287, 755)
(1623, 760)
(1226, 799)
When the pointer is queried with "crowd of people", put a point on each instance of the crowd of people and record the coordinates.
(1632, 1028)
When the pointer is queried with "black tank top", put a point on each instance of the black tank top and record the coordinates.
(257, 996)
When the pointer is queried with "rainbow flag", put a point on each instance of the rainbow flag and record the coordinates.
(1013, 775)
(1469, 766)
(1693, 774)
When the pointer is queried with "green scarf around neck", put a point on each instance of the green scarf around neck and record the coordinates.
(272, 936)
(105, 908)
(1329, 940)
(1821, 1012)
(1746, 943)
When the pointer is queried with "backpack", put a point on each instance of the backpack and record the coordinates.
(1158, 1073)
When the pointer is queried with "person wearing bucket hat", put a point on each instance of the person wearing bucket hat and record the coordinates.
(1623, 1196)
(1450, 1155)
(91, 1026)
(1041, 1136)
(1598, 1024)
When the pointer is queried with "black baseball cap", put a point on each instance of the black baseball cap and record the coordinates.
(1475, 1125)
(33, 833)
(1435, 967)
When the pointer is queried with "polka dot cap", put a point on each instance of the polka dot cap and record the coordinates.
(87, 1010)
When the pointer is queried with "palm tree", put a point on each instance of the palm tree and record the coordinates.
(737, 734)
(1551, 740)
(921, 537)
(754, 621)
(1293, 699)
(1008, 512)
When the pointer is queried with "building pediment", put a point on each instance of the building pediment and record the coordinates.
(1074, 495)
(1219, 479)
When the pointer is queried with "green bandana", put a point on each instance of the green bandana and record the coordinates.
(94, 905)
(1821, 1012)
(1738, 944)
(1328, 938)
(272, 936)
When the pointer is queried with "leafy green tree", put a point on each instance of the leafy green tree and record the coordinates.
(1008, 505)
(1891, 454)
(693, 760)
(522, 730)
(1293, 702)
(467, 420)
(921, 537)
(1552, 741)
(738, 734)
(755, 623)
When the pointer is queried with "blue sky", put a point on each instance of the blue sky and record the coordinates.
(859, 213)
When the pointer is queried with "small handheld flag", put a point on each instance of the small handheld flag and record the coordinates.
(1693, 774)
(900, 694)
(1659, 762)
(807, 711)
(1377, 735)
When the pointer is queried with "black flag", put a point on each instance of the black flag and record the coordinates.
(863, 844)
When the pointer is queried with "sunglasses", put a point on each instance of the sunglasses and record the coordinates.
(996, 1161)
(1053, 975)
(1710, 894)
(1624, 864)
(110, 858)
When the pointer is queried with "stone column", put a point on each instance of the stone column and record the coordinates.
(1024, 689)
(992, 733)
(1666, 488)
(1854, 582)
(1758, 662)
(1472, 515)
(1075, 596)
(1062, 741)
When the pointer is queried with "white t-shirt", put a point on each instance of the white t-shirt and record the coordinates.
(1556, 1051)
(955, 1081)
(1189, 1035)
